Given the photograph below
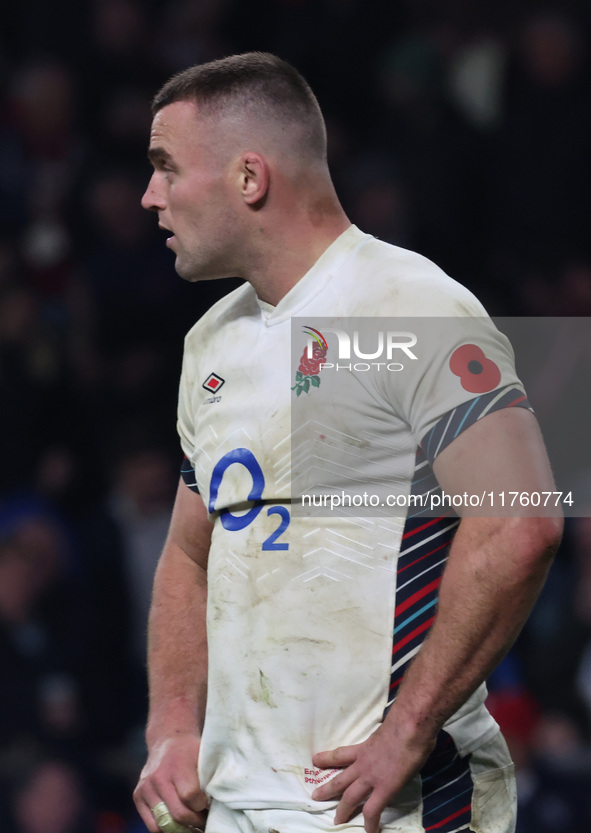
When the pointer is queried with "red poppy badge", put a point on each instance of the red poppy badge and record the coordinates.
(477, 373)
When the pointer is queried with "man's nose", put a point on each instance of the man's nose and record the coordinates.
(153, 199)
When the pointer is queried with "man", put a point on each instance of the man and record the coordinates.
(271, 641)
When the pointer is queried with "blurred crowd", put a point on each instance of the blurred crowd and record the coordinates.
(459, 129)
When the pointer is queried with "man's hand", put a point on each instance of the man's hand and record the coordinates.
(373, 772)
(170, 775)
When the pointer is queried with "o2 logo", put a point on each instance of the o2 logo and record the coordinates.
(244, 457)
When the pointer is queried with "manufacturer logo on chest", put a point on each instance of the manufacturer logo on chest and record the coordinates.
(213, 383)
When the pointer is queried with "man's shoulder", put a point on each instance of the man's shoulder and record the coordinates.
(402, 282)
(229, 309)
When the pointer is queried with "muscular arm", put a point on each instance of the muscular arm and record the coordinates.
(177, 665)
(495, 571)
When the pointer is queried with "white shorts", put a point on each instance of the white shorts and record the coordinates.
(493, 806)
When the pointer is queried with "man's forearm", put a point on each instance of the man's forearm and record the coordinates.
(177, 646)
(177, 664)
(494, 574)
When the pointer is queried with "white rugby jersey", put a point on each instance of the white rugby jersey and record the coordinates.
(313, 620)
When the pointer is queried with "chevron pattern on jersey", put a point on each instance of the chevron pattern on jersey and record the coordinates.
(457, 420)
(447, 788)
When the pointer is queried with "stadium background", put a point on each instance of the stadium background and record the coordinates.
(456, 128)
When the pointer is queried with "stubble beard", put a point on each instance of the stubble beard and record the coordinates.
(202, 268)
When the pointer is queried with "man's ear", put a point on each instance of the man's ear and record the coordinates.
(254, 177)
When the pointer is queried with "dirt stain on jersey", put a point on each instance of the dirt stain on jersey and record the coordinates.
(262, 693)
(287, 640)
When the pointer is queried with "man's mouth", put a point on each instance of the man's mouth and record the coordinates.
(166, 229)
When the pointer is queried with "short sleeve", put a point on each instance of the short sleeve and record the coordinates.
(465, 369)
(185, 416)
(188, 475)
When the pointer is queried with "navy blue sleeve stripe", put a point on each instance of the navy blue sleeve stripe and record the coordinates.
(457, 420)
(188, 475)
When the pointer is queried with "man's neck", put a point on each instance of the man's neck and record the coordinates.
(293, 254)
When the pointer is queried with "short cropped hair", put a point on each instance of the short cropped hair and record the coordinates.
(258, 82)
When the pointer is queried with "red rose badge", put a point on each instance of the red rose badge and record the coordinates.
(309, 368)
